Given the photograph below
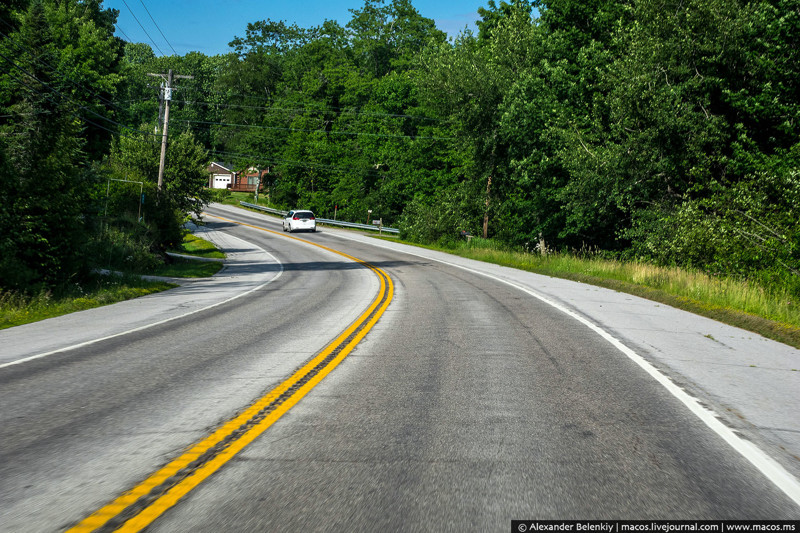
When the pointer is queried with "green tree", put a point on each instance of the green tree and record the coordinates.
(387, 36)
(138, 93)
(721, 149)
(468, 83)
(135, 156)
(44, 187)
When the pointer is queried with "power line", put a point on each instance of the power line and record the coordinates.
(159, 29)
(347, 110)
(332, 132)
(75, 113)
(296, 163)
(320, 109)
(82, 88)
(144, 30)
(66, 99)
(304, 110)
(54, 70)
(27, 114)
(124, 34)
(49, 88)
(312, 108)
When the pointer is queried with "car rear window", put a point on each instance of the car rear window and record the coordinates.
(304, 214)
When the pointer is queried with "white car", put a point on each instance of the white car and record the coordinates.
(299, 220)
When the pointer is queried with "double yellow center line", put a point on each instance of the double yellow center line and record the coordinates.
(140, 506)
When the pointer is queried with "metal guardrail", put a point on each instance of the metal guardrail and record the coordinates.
(325, 220)
(262, 208)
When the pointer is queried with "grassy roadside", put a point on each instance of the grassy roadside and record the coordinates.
(235, 197)
(772, 314)
(18, 309)
(180, 267)
(193, 245)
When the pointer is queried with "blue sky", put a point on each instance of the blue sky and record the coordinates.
(208, 26)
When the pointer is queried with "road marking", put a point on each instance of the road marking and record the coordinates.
(768, 466)
(147, 326)
(140, 506)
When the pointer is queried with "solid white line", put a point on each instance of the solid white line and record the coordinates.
(140, 328)
(768, 466)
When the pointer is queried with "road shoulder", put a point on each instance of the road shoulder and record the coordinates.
(246, 268)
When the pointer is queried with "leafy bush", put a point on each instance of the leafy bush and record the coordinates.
(747, 230)
(218, 195)
(126, 246)
(440, 221)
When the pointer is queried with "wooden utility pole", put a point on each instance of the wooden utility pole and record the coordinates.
(486, 212)
(167, 98)
(258, 183)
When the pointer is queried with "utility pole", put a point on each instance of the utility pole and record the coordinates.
(160, 110)
(167, 98)
(486, 212)
(258, 182)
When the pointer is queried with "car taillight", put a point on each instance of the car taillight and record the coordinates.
(310, 218)
(295, 217)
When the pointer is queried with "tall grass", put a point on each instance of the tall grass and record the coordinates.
(123, 251)
(18, 308)
(193, 245)
(771, 311)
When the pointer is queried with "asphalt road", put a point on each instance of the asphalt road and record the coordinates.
(468, 405)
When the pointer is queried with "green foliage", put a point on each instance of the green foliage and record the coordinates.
(749, 229)
(340, 124)
(44, 178)
(17, 308)
(652, 129)
(194, 245)
(186, 268)
(135, 156)
(442, 220)
(711, 159)
(124, 245)
(665, 131)
(385, 37)
(218, 195)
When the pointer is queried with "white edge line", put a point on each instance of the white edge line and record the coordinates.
(140, 328)
(768, 466)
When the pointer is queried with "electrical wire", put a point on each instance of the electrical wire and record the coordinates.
(240, 155)
(68, 99)
(39, 61)
(54, 70)
(144, 30)
(75, 114)
(159, 29)
(302, 110)
(332, 132)
(128, 39)
(347, 110)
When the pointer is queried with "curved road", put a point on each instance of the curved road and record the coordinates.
(468, 405)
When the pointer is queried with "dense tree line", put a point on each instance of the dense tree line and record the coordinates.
(67, 133)
(50, 133)
(662, 130)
